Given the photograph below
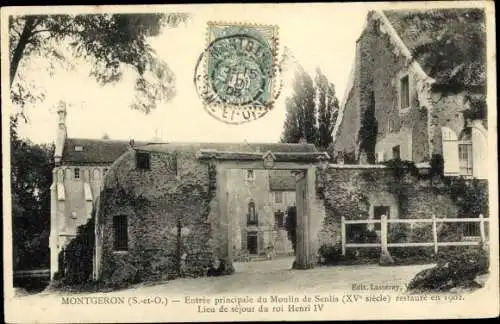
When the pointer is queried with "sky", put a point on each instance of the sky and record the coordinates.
(321, 35)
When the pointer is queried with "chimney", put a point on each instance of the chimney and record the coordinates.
(61, 131)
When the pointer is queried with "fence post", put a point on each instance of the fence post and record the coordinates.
(383, 234)
(481, 229)
(434, 233)
(342, 233)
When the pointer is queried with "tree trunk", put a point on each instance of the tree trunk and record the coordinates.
(21, 45)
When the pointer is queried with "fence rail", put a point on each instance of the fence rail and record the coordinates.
(384, 224)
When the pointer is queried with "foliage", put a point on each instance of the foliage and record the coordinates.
(402, 233)
(311, 111)
(401, 168)
(470, 196)
(112, 43)
(77, 257)
(478, 109)
(31, 178)
(331, 254)
(455, 268)
(291, 225)
(437, 166)
(328, 108)
(367, 136)
(449, 44)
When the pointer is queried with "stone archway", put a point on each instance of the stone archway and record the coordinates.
(310, 210)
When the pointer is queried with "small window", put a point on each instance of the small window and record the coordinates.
(78, 148)
(143, 160)
(105, 171)
(279, 219)
(465, 158)
(404, 92)
(252, 215)
(278, 197)
(250, 175)
(392, 126)
(120, 228)
(396, 152)
(77, 173)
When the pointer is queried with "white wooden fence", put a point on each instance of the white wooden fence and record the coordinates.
(384, 223)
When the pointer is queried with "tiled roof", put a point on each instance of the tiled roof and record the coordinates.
(281, 181)
(449, 44)
(101, 151)
(230, 147)
(93, 151)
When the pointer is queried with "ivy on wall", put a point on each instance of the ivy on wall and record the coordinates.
(367, 136)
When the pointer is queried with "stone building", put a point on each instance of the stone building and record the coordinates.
(258, 206)
(80, 166)
(162, 205)
(417, 89)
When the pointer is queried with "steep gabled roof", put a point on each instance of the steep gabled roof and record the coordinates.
(449, 44)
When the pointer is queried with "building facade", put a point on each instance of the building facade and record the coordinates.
(416, 91)
(81, 165)
(258, 207)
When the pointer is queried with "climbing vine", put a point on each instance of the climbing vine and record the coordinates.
(368, 131)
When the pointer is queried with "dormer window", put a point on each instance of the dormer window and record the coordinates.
(78, 148)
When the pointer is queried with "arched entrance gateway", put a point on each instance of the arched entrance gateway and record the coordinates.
(310, 209)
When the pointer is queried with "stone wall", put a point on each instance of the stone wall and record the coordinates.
(160, 203)
(352, 191)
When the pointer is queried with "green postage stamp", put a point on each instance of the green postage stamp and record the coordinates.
(236, 73)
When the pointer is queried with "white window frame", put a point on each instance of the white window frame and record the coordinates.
(469, 170)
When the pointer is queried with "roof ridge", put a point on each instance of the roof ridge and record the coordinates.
(401, 44)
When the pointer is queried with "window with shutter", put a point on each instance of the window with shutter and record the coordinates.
(450, 151)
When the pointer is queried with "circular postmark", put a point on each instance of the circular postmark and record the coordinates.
(235, 77)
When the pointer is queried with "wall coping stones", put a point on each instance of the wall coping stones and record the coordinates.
(423, 165)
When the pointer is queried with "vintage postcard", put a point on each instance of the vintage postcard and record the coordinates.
(249, 162)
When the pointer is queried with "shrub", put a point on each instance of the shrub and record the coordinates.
(457, 267)
(331, 254)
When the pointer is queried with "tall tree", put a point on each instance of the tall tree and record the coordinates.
(328, 106)
(300, 120)
(311, 111)
(31, 177)
(110, 42)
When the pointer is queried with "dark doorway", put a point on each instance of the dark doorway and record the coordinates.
(252, 243)
(396, 152)
(378, 211)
